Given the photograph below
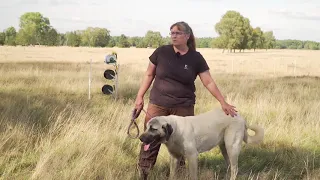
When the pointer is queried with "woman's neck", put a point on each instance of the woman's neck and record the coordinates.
(182, 49)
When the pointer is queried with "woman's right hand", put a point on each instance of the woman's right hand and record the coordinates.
(138, 106)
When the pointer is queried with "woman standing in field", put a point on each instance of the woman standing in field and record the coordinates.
(175, 68)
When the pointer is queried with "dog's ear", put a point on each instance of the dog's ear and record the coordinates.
(168, 130)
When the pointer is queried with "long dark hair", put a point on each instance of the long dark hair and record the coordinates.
(183, 26)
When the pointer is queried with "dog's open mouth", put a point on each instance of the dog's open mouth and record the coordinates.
(146, 147)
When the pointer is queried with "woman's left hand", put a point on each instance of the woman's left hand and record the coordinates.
(229, 109)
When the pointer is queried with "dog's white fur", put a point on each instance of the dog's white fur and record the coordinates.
(192, 135)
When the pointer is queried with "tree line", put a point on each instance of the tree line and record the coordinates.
(234, 33)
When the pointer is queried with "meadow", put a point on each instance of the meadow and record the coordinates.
(50, 129)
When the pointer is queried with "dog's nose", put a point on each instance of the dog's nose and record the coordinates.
(142, 138)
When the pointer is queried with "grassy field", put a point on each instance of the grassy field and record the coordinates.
(50, 130)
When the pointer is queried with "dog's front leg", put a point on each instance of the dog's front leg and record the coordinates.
(173, 167)
(193, 165)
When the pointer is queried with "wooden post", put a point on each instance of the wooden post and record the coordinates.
(89, 94)
(295, 66)
(274, 68)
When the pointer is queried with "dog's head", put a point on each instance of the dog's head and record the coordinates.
(158, 130)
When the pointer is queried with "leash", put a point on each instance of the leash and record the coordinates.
(133, 122)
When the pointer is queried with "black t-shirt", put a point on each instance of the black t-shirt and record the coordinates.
(175, 76)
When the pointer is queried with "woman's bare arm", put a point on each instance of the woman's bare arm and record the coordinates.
(147, 80)
(209, 83)
(146, 83)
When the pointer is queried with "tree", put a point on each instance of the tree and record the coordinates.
(123, 41)
(73, 39)
(61, 40)
(51, 38)
(257, 38)
(34, 29)
(134, 41)
(234, 29)
(246, 34)
(153, 39)
(166, 40)
(101, 37)
(112, 42)
(220, 42)
(95, 37)
(204, 42)
(2, 38)
(311, 45)
(296, 44)
(269, 40)
(137, 42)
(10, 36)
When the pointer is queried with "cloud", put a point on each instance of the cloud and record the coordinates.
(29, 2)
(94, 3)
(63, 2)
(38, 2)
(74, 2)
(310, 15)
(17, 3)
(73, 19)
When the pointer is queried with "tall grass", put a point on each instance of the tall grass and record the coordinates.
(50, 130)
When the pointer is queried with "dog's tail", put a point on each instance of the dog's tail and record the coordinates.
(256, 138)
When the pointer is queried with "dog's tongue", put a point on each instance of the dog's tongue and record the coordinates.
(146, 147)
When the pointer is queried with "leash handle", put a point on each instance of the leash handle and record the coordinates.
(133, 122)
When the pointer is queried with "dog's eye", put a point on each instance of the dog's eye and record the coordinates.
(152, 129)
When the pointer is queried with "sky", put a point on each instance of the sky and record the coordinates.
(288, 19)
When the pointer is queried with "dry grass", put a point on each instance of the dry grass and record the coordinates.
(50, 130)
(261, 62)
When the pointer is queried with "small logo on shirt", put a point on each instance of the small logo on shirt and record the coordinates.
(186, 67)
